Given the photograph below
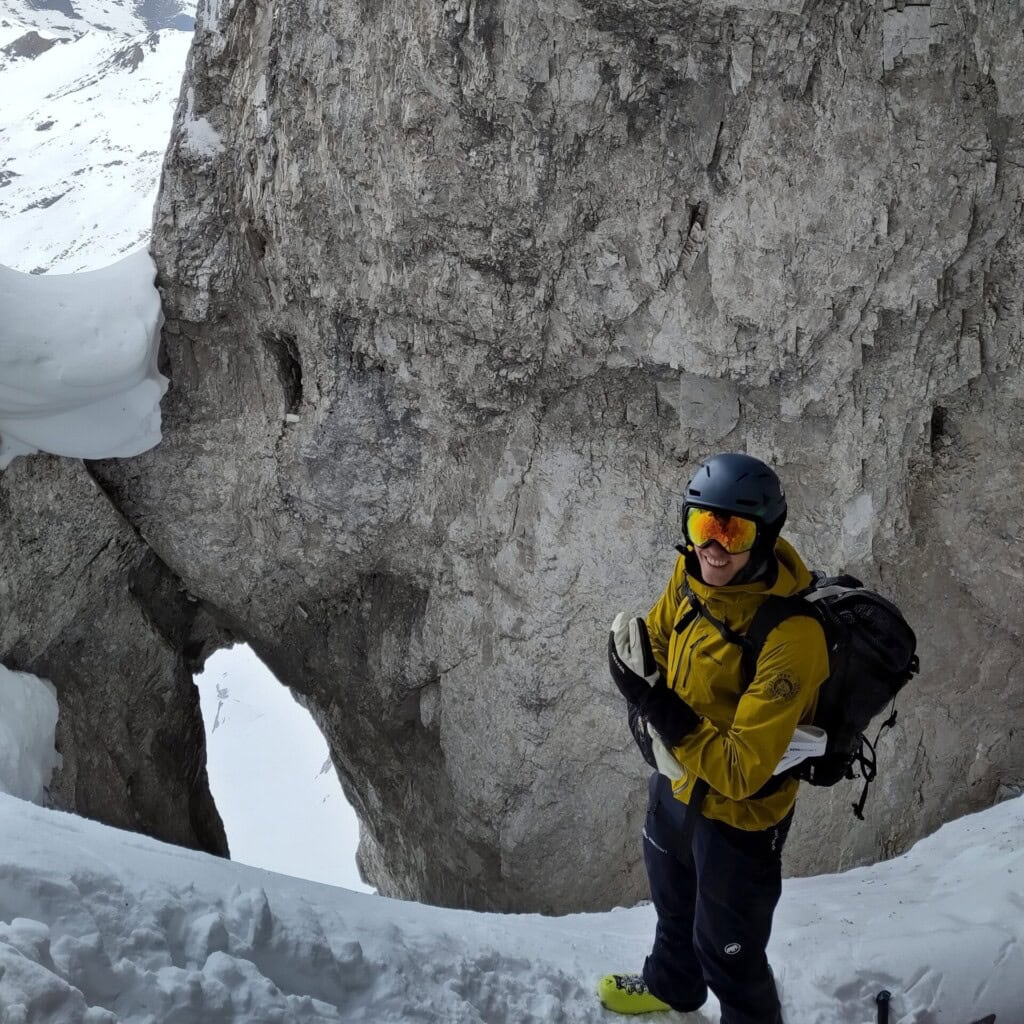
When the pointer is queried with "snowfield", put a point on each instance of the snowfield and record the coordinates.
(98, 925)
(84, 122)
(118, 17)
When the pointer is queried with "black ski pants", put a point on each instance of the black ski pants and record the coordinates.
(714, 913)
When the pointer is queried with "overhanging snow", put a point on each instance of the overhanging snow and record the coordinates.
(78, 362)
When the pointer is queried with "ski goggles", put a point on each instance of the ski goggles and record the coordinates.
(735, 533)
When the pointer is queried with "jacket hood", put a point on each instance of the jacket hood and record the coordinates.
(791, 576)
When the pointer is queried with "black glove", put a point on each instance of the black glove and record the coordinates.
(670, 716)
(642, 738)
(629, 654)
(622, 659)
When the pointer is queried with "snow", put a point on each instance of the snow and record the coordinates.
(98, 925)
(78, 362)
(83, 130)
(259, 739)
(200, 136)
(28, 718)
(76, 15)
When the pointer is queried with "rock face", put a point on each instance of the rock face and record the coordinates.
(86, 604)
(457, 294)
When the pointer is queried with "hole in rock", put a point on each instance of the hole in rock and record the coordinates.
(939, 427)
(271, 777)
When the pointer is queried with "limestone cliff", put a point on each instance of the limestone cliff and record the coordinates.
(86, 604)
(458, 291)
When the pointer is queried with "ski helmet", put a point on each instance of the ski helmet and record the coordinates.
(742, 485)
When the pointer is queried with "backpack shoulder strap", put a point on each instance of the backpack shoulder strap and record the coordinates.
(727, 633)
(773, 612)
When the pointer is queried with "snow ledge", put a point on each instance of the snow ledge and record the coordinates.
(78, 362)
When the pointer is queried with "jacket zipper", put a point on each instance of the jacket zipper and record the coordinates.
(689, 661)
(674, 669)
(686, 650)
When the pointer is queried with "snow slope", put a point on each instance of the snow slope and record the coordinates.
(259, 739)
(125, 17)
(84, 122)
(97, 925)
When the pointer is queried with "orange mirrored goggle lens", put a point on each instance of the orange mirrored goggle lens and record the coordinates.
(734, 533)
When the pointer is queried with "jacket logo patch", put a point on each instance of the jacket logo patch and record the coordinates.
(732, 949)
(782, 688)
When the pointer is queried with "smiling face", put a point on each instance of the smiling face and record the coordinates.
(717, 567)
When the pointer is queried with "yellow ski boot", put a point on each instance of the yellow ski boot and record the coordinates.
(628, 993)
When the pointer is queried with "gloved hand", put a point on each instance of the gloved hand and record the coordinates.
(635, 672)
(641, 736)
(664, 760)
(669, 715)
(630, 659)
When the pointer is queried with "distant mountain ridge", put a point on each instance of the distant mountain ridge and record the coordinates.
(106, 15)
(89, 89)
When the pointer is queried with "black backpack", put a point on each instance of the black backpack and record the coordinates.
(872, 656)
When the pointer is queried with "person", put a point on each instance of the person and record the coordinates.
(715, 871)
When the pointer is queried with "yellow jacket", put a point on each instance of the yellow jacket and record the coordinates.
(742, 735)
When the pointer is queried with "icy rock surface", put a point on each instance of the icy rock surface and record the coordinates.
(456, 295)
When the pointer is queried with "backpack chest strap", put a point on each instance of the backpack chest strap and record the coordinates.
(725, 630)
(773, 611)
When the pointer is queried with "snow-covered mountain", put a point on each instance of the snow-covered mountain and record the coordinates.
(88, 93)
(125, 17)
